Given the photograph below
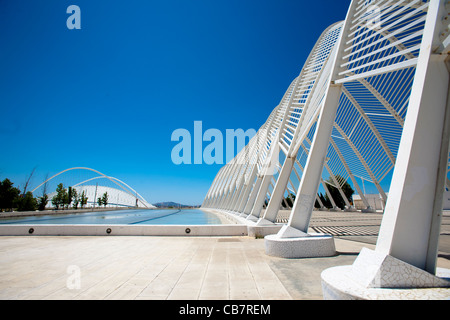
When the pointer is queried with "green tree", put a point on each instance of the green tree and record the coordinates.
(27, 202)
(288, 200)
(75, 198)
(105, 199)
(8, 194)
(83, 199)
(99, 201)
(326, 202)
(56, 202)
(42, 202)
(346, 188)
(61, 196)
(68, 198)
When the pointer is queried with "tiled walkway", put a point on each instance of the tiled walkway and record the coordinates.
(154, 268)
(206, 268)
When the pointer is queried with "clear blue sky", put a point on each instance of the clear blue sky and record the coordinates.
(110, 95)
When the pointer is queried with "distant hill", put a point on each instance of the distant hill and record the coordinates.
(171, 204)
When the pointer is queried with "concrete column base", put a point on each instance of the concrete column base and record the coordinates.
(251, 217)
(377, 276)
(263, 228)
(291, 243)
(368, 210)
(262, 231)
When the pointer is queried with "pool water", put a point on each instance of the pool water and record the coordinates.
(135, 216)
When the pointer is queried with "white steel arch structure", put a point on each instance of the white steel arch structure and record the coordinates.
(281, 127)
(122, 186)
(370, 100)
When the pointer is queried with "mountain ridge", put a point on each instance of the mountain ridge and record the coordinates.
(171, 204)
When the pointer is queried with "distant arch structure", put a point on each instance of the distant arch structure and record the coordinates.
(94, 184)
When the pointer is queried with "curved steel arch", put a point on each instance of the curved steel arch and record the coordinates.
(66, 170)
(112, 179)
(127, 191)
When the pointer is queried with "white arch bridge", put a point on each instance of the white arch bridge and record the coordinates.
(94, 184)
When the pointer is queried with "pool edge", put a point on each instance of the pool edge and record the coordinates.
(123, 230)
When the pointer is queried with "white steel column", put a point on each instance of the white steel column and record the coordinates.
(259, 202)
(248, 188)
(304, 202)
(278, 193)
(347, 168)
(415, 198)
(406, 251)
(337, 185)
(253, 194)
(333, 204)
(236, 195)
(363, 161)
(268, 170)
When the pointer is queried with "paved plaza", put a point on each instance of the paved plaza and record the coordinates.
(146, 267)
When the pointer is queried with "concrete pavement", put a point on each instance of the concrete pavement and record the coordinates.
(193, 268)
(159, 268)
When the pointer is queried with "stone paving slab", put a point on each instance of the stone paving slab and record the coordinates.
(137, 268)
(156, 267)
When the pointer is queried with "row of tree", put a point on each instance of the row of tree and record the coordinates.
(64, 198)
(12, 198)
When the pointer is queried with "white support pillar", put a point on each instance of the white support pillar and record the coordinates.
(347, 168)
(236, 196)
(248, 188)
(261, 196)
(253, 194)
(322, 207)
(293, 240)
(268, 170)
(239, 197)
(415, 197)
(277, 195)
(337, 185)
(333, 204)
(304, 202)
(406, 251)
(363, 162)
